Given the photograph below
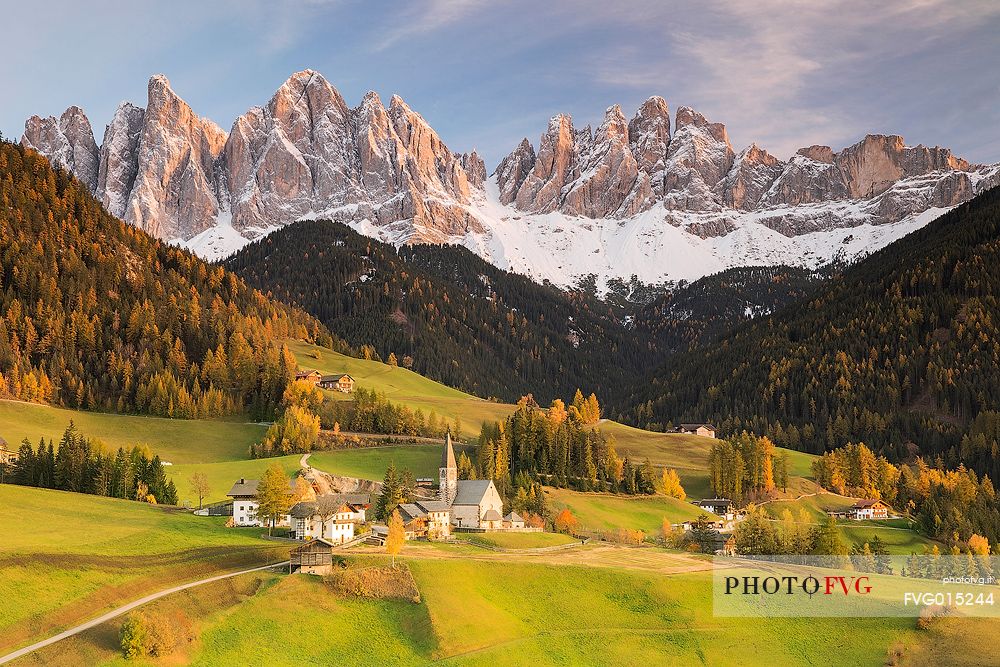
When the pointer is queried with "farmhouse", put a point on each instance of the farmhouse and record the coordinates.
(704, 430)
(306, 521)
(723, 507)
(337, 382)
(8, 456)
(309, 375)
(244, 495)
(869, 509)
(426, 518)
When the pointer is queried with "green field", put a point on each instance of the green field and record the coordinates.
(816, 506)
(897, 537)
(65, 557)
(175, 440)
(518, 540)
(496, 614)
(687, 454)
(222, 475)
(403, 386)
(897, 540)
(602, 511)
(371, 462)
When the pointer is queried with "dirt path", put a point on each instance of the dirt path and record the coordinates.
(114, 613)
(329, 483)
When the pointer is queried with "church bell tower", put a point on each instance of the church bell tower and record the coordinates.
(448, 472)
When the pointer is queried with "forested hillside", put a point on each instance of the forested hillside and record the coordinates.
(98, 315)
(447, 313)
(904, 347)
(699, 312)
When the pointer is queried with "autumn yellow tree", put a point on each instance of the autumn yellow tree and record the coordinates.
(671, 483)
(979, 545)
(395, 537)
(273, 496)
(566, 522)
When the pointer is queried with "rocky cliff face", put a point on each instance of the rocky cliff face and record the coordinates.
(384, 170)
(705, 187)
(68, 141)
(305, 153)
(174, 194)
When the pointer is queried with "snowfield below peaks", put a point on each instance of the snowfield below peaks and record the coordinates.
(562, 249)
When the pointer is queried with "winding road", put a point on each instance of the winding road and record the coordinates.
(127, 608)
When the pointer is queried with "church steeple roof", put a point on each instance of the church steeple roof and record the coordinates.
(448, 455)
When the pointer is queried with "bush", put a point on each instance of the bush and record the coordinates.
(148, 633)
(375, 582)
(929, 614)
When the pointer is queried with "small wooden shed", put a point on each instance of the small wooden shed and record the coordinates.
(313, 557)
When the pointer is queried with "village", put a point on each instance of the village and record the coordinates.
(324, 521)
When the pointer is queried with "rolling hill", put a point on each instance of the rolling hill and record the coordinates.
(903, 347)
(100, 315)
(452, 316)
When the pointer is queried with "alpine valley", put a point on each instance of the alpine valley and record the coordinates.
(657, 196)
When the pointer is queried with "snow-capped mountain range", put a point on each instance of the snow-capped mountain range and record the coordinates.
(629, 198)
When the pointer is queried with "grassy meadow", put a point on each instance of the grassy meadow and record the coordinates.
(222, 475)
(518, 540)
(175, 440)
(371, 462)
(403, 386)
(515, 612)
(603, 511)
(65, 557)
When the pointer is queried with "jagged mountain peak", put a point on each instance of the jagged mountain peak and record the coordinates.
(68, 141)
(652, 195)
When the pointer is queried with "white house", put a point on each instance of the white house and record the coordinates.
(703, 430)
(306, 522)
(244, 495)
(870, 509)
(426, 518)
(719, 506)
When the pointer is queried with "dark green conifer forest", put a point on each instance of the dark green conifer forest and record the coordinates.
(96, 314)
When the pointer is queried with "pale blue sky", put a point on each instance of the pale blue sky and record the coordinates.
(783, 73)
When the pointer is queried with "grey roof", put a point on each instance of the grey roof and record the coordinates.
(303, 510)
(312, 541)
(356, 499)
(491, 515)
(471, 491)
(411, 511)
(448, 455)
(248, 487)
(433, 505)
(691, 427)
(513, 516)
(335, 377)
(244, 487)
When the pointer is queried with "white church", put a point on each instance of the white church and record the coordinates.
(474, 503)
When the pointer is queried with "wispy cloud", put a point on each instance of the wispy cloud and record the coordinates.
(427, 17)
(760, 66)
